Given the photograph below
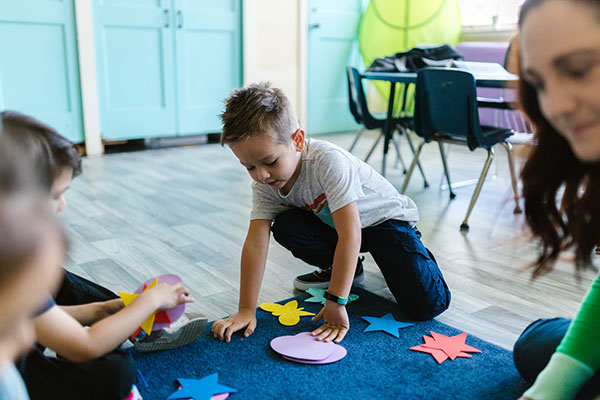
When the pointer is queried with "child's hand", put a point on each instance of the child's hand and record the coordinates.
(167, 296)
(222, 329)
(336, 323)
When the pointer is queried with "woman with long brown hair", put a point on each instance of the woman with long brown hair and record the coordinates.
(560, 92)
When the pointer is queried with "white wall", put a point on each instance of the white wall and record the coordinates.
(274, 47)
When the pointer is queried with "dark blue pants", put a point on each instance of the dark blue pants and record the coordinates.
(104, 378)
(536, 345)
(409, 269)
(75, 290)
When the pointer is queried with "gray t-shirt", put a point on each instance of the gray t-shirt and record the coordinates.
(330, 179)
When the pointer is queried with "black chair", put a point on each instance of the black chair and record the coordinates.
(360, 112)
(446, 112)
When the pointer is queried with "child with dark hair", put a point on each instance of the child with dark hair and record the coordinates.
(32, 247)
(89, 366)
(325, 206)
(560, 93)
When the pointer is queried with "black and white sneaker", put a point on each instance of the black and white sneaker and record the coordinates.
(321, 277)
(184, 331)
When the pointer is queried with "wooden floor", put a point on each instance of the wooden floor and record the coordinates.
(185, 210)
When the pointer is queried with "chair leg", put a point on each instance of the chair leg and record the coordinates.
(399, 155)
(412, 167)
(513, 176)
(358, 136)
(445, 164)
(465, 225)
(373, 147)
(412, 148)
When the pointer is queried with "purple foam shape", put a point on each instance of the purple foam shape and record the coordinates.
(302, 346)
(339, 352)
(174, 313)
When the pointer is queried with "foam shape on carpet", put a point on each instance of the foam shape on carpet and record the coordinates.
(442, 347)
(318, 296)
(305, 348)
(158, 319)
(200, 389)
(376, 365)
(387, 324)
(289, 314)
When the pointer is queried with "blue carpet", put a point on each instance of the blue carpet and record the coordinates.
(377, 365)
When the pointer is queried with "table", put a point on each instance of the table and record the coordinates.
(500, 80)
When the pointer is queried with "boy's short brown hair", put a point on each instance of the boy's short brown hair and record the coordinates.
(256, 109)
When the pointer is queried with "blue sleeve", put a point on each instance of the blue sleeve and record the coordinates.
(48, 305)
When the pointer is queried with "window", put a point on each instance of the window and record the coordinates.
(489, 14)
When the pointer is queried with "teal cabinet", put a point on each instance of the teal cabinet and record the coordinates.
(164, 66)
(134, 57)
(332, 45)
(209, 61)
(38, 63)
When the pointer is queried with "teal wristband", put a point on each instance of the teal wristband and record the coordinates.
(336, 299)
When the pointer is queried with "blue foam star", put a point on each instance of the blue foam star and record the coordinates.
(387, 323)
(200, 389)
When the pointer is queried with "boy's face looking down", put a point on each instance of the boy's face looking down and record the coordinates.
(59, 187)
(269, 161)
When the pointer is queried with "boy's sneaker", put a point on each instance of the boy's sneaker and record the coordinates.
(321, 277)
(183, 331)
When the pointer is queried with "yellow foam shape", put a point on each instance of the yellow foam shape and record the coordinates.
(128, 298)
(289, 314)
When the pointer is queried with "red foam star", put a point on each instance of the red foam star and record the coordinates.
(442, 347)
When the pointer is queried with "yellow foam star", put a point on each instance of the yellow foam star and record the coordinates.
(289, 314)
(128, 298)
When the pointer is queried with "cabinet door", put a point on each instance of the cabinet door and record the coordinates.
(134, 58)
(209, 60)
(39, 73)
(332, 45)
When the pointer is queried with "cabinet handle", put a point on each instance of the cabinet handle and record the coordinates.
(167, 17)
(179, 19)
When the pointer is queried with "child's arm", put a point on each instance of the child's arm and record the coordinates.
(254, 257)
(59, 331)
(335, 317)
(88, 314)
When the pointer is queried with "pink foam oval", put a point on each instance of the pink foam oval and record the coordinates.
(174, 313)
(302, 346)
(338, 353)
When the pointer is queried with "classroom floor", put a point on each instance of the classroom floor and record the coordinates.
(185, 210)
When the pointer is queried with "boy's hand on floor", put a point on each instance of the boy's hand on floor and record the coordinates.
(222, 329)
(336, 323)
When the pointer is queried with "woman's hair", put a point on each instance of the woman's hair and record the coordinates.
(43, 146)
(574, 219)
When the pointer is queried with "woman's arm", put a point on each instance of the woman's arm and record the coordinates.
(578, 355)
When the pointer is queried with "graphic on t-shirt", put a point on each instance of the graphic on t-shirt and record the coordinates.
(321, 209)
(317, 204)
